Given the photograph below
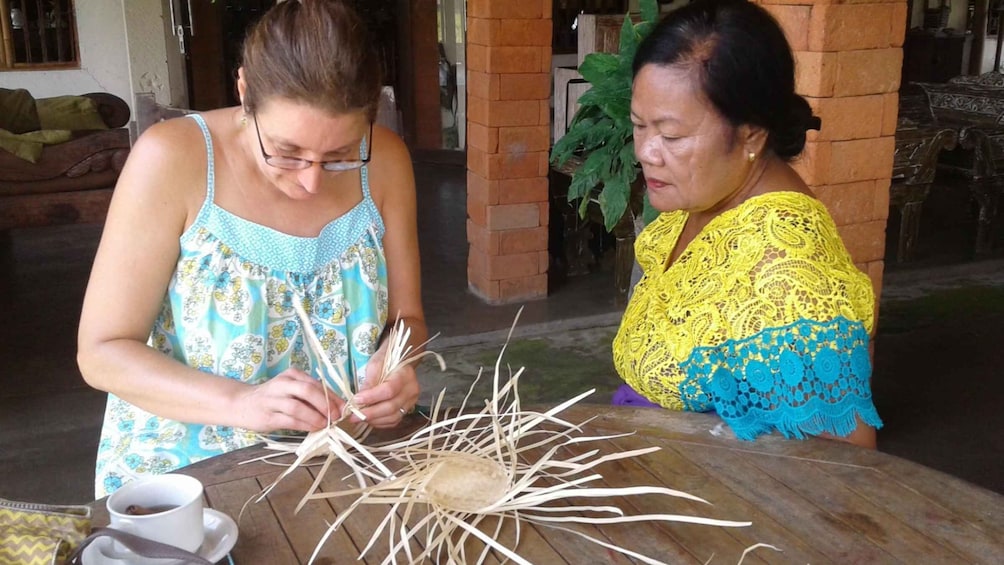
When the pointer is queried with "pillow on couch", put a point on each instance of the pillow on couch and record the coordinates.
(28, 146)
(69, 112)
(17, 111)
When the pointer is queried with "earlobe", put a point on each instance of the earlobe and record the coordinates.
(754, 139)
(241, 87)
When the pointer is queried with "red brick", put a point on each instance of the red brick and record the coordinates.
(525, 9)
(483, 239)
(524, 32)
(523, 139)
(880, 209)
(477, 109)
(520, 165)
(519, 191)
(890, 113)
(513, 59)
(545, 208)
(477, 276)
(482, 190)
(483, 85)
(522, 240)
(813, 165)
(513, 216)
(496, 166)
(849, 203)
(861, 159)
(477, 212)
(794, 21)
(480, 162)
(530, 86)
(513, 266)
(544, 115)
(544, 166)
(851, 117)
(524, 288)
(869, 71)
(500, 113)
(483, 137)
(482, 31)
(544, 259)
(815, 73)
(899, 22)
(477, 57)
(547, 7)
(844, 27)
(865, 241)
(545, 59)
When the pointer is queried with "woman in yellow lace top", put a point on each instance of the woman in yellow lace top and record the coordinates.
(749, 304)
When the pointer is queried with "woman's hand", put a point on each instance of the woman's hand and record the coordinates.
(290, 401)
(385, 404)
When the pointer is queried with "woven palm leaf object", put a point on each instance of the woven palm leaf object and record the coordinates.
(471, 472)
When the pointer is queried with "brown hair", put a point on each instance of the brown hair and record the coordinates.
(313, 51)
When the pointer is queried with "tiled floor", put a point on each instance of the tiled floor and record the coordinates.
(937, 376)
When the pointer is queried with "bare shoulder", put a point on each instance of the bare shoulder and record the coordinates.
(390, 170)
(173, 149)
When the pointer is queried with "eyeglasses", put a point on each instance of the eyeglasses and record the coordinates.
(297, 164)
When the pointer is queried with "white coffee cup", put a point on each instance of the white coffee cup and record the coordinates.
(176, 505)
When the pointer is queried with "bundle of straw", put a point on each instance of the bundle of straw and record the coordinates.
(455, 476)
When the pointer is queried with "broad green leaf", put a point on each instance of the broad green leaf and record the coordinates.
(628, 41)
(613, 202)
(649, 10)
(598, 66)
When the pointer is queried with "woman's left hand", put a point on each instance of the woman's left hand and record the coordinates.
(386, 404)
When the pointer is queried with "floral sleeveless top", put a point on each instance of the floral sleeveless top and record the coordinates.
(763, 318)
(228, 311)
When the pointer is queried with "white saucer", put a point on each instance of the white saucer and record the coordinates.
(221, 535)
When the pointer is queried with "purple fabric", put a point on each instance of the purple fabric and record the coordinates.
(627, 396)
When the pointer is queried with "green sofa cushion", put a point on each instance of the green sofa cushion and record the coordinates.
(69, 112)
(28, 146)
(17, 111)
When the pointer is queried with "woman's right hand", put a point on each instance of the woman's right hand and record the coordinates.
(291, 400)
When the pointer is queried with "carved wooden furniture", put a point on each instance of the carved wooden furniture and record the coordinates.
(72, 182)
(975, 107)
(919, 142)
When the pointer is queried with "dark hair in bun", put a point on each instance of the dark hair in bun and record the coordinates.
(744, 65)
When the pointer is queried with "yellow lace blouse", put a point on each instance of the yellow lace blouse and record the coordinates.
(763, 318)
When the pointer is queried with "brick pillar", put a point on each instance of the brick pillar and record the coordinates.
(848, 60)
(508, 133)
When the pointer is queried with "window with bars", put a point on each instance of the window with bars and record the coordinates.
(37, 34)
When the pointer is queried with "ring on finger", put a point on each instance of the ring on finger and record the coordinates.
(403, 412)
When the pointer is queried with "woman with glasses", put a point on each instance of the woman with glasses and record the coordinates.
(220, 223)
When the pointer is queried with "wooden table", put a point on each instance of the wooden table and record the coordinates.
(820, 501)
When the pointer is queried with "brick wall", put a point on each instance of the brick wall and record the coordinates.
(508, 121)
(848, 59)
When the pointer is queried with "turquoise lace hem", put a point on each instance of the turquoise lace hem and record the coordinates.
(805, 378)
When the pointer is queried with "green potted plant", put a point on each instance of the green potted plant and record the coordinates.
(600, 134)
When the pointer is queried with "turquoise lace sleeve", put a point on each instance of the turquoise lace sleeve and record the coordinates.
(806, 378)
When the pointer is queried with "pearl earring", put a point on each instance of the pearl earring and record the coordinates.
(751, 157)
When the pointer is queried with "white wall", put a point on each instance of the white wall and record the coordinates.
(156, 63)
(104, 62)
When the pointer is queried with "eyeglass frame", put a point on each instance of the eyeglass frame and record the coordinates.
(302, 164)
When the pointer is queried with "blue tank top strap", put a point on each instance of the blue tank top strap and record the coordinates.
(210, 161)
